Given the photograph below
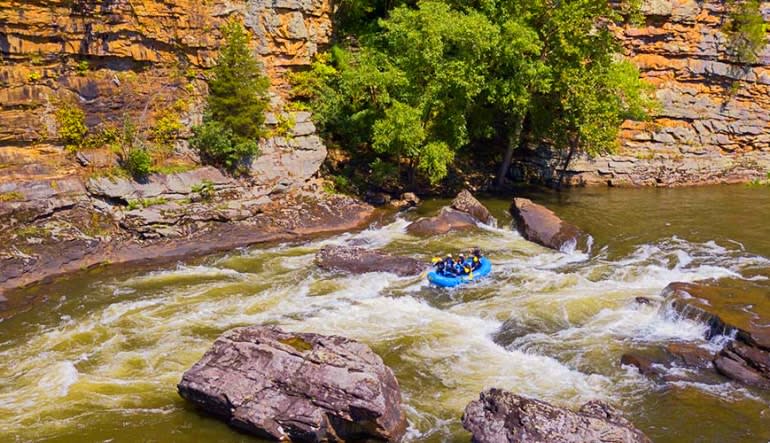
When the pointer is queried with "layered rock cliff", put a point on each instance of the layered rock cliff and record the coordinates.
(714, 122)
(137, 58)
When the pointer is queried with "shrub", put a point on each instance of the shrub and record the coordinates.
(82, 67)
(138, 162)
(166, 131)
(205, 189)
(218, 145)
(72, 126)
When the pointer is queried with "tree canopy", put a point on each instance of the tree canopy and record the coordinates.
(419, 81)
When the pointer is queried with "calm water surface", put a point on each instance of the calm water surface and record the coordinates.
(99, 361)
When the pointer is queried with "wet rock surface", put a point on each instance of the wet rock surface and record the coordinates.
(360, 260)
(729, 307)
(466, 202)
(499, 416)
(297, 386)
(460, 216)
(539, 224)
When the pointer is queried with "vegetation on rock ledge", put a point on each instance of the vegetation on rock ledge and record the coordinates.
(418, 83)
(236, 104)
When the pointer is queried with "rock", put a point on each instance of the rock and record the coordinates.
(377, 198)
(408, 200)
(729, 307)
(463, 214)
(411, 198)
(500, 416)
(643, 300)
(299, 387)
(448, 220)
(360, 261)
(467, 203)
(643, 364)
(690, 355)
(539, 224)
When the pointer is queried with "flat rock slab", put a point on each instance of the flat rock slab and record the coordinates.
(539, 224)
(499, 416)
(298, 387)
(361, 261)
(156, 184)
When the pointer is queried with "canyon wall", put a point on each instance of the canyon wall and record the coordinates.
(714, 122)
(117, 58)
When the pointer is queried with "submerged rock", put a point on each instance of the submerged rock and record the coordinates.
(499, 416)
(465, 213)
(730, 307)
(539, 224)
(299, 387)
(361, 260)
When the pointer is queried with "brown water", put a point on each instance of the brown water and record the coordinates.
(100, 360)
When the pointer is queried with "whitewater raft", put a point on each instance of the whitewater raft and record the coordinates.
(450, 282)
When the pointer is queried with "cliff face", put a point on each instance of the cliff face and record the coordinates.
(714, 125)
(136, 58)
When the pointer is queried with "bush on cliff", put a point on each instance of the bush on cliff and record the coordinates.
(237, 103)
(71, 122)
(746, 30)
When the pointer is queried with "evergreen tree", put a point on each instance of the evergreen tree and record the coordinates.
(237, 103)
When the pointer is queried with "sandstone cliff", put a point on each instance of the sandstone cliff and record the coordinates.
(136, 58)
(714, 125)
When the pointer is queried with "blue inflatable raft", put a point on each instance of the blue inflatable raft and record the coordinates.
(450, 282)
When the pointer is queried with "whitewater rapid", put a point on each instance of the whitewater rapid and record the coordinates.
(546, 324)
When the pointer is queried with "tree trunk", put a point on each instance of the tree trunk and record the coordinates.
(513, 143)
(572, 148)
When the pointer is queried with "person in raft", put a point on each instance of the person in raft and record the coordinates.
(451, 267)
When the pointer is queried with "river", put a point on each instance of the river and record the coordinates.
(100, 359)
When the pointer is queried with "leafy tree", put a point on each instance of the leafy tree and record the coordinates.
(433, 77)
(237, 103)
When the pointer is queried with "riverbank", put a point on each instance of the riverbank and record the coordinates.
(79, 238)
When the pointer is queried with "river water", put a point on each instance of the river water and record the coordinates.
(99, 361)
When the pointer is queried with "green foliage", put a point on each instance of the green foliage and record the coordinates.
(236, 104)
(285, 125)
(219, 146)
(71, 121)
(745, 29)
(145, 203)
(166, 130)
(431, 78)
(34, 77)
(12, 196)
(82, 67)
(138, 162)
(204, 189)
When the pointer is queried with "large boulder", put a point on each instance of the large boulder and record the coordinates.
(465, 213)
(499, 416)
(730, 307)
(447, 220)
(361, 260)
(466, 202)
(298, 387)
(539, 224)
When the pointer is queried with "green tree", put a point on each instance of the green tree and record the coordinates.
(746, 30)
(237, 103)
